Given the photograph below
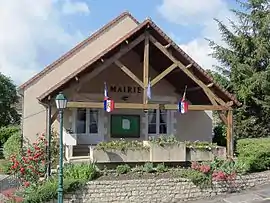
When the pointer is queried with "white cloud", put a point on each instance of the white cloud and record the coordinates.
(28, 28)
(198, 13)
(75, 7)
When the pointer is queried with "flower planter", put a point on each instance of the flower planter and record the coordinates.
(196, 154)
(167, 153)
(118, 156)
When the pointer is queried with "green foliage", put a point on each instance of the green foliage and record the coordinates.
(203, 174)
(6, 132)
(161, 168)
(122, 169)
(8, 101)
(254, 153)
(121, 145)
(197, 178)
(222, 80)
(5, 166)
(245, 61)
(81, 171)
(201, 145)
(75, 177)
(48, 190)
(164, 140)
(149, 167)
(12, 146)
(220, 135)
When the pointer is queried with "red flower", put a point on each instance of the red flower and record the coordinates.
(26, 184)
(205, 168)
(195, 165)
(22, 170)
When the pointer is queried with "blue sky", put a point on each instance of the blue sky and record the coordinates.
(45, 29)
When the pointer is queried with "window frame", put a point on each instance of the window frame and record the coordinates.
(158, 124)
(87, 122)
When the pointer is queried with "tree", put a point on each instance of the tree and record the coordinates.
(219, 78)
(8, 101)
(245, 60)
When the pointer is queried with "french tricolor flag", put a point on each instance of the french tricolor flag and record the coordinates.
(183, 104)
(108, 103)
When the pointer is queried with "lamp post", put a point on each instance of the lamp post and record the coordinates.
(61, 104)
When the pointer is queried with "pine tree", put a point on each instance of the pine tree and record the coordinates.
(246, 62)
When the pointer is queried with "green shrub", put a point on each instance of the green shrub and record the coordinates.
(196, 177)
(6, 132)
(122, 169)
(254, 153)
(12, 146)
(149, 167)
(220, 135)
(81, 171)
(75, 177)
(48, 190)
(161, 168)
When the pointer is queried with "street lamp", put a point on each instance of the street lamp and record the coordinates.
(61, 104)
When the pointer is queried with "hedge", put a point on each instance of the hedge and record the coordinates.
(255, 153)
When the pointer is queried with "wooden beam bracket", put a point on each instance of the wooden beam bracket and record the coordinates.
(212, 97)
(129, 73)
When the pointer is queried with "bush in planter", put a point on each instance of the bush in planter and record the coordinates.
(254, 153)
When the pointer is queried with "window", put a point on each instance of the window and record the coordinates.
(93, 121)
(86, 121)
(81, 121)
(157, 122)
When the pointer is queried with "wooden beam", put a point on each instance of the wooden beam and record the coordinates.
(145, 67)
(230, 133)
(106, 63)
(191, 89)
(207, 91)
(99, 105)
(129, 73)
(163, 74)
(188, 66)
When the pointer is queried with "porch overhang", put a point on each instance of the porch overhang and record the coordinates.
(166, 56)
(172, 64)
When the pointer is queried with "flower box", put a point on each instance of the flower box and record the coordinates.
(199, 154)
(118, 156)
(167, 153)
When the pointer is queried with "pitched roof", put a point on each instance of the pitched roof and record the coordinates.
(76, 49)
(198, 70)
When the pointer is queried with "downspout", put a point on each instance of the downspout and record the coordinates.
(49, 136)
(21, 93)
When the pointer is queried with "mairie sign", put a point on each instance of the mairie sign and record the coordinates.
(125, 89)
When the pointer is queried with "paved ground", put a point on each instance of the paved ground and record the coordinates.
(259, 194)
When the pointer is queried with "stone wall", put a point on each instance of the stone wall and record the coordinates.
(158, 190)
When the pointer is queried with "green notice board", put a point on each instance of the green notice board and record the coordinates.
(125, 126)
